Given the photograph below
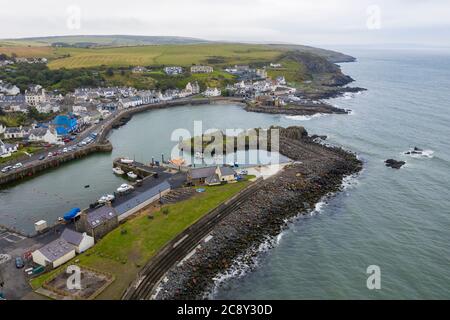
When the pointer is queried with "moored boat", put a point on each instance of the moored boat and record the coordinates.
(118, 171)
(132, 175)
(107, 198)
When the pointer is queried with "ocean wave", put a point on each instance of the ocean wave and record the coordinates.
(415, 153)
(307, 118)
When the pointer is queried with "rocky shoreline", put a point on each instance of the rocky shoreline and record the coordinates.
(308, 109)
(318, 170)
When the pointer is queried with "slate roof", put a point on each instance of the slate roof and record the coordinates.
(141, 197)
(100, 215)
(201, 173)
(56, 249)
(72, 237)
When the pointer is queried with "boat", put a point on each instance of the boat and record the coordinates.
(71, 214)
(124, 188)
(107, 198)
(177, 162)
(118, 171)
(126, 160)
(132, 175)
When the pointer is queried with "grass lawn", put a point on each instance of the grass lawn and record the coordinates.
(124, 251)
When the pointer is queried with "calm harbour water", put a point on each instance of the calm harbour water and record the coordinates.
(398, 220)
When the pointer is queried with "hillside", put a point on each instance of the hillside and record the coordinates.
(82, 41)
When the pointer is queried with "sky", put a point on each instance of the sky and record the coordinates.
(312, 22)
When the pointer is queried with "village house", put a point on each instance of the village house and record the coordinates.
(63, 249)
(47, 107)
(81, 241)
(211, 176)
(149, 96)
(16, 132)
(47, 135)
(35, 95)
(212, 92)
(275, 65)
(8, 89)
(281, 80)
(202, 69)
(17, 107)
(6, 149)
(97, 222)
(171, 71)
(262, 73)
(126, 103)
(139, 69)
(54, 254)
(2, 128)
(65, 124)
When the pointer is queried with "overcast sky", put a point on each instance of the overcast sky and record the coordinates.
(315, 22)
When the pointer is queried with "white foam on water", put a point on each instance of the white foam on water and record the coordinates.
(307, 118)
(425, 154)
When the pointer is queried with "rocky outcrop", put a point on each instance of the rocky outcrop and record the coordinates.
(394, 164)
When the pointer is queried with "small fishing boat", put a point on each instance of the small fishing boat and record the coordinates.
(118, 171)
(132, 175)
(107, 198)
(124, 188)
(126, 160)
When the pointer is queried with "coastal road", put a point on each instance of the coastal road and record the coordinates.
(181, 246)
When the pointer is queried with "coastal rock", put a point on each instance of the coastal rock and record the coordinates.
(394, 164)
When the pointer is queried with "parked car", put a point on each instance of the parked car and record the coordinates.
(19, 263)
(6, 169)
(18, 165)
(41, 157)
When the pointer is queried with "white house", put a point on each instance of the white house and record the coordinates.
(201, 69)
(6, 149)
(47, 107)
(54, 254)
(47, 135)
(81, 241)
(2, 129)
(15, 132)
(77, 110)
(35, 95)
(126, 103)
(173, 70)
(8, 89)
(212, 92)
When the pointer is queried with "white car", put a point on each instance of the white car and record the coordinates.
(18, 165)
(6, 169)
(65, 150)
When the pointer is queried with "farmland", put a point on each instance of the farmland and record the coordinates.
(184, 55)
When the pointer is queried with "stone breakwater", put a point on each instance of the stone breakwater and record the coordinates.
(30, 171)
(318, 171)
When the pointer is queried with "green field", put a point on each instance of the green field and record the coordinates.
(124, 253)
(183, 55)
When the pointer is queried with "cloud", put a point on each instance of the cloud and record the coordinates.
(299, 21)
